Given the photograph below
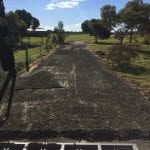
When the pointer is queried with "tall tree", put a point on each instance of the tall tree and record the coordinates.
(85, 26)
(16, 27)
(59, 31)
(95, 28)
(109, 16)
(60, 26)
(35, 23)
(25, 16)
(135, 15)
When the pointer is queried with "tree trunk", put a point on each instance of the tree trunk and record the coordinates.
(121, 41)
(131, 35)
(96, 39)
(21, 38)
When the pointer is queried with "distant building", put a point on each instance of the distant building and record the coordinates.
(39, 32)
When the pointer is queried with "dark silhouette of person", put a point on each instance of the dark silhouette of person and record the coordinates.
(6, 53)
(7, 62)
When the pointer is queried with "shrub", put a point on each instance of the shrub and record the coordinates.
(54, 40)
(120, 56)
(60, 35)
(146, 39)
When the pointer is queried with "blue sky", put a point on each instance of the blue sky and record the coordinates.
(71, 12)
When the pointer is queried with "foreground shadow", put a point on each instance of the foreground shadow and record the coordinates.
(107, 43)
(11, 77)
(134, 70)
(95, 135)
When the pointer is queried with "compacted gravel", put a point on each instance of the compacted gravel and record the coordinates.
(73, 94)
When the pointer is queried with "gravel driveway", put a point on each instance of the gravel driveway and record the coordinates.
(73, 94)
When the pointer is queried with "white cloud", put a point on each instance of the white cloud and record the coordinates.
(78, 25)
(73, 27)
(68, 27)
(63, 4)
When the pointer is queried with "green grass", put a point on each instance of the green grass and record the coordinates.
(141, 73)
(34, 40)
(80, 37)
(140, 70)
(34, 53)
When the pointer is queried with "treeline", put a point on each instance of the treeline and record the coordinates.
(134, 18)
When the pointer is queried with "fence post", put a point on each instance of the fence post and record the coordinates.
(41, 51)
(27, 60)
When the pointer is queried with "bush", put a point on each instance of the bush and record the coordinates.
(54, 40)
(59, 32)
(146, 39)
(120, 56)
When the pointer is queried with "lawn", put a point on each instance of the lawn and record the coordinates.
(139, 73)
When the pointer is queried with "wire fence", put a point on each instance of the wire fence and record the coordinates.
(27, 56)
(32, 50)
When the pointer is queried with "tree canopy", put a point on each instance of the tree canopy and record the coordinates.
(17, 23)
(109, 16)
(16, 27)
(25, 16)
(28, 19)
(60, 26)
(95, 28)
(136, 16)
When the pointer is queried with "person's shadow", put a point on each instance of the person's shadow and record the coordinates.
(11, 79)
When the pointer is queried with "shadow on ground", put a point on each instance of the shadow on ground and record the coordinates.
(95, 135)
(133, 70)
(107, 43)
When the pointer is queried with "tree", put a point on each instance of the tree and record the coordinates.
(95, 28)
(59, 31)
(16, 27)
(35, 23)
(25, 16)
(13, 26)
(144, 28)
(28, 19)
(85, 26)
(60, 26)
(109, 16)
(135, 15)
(22, 29)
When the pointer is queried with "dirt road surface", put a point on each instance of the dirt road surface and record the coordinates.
(73, 94)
